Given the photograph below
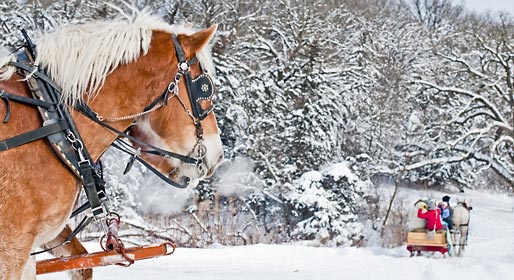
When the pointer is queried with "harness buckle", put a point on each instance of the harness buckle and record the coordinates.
(183, 67)
(77, 145)
(99, 117)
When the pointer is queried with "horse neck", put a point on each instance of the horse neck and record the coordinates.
(127, 91)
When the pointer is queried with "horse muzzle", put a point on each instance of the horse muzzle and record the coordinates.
(215, 165)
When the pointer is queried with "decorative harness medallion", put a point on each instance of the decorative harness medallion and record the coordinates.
(205, 87)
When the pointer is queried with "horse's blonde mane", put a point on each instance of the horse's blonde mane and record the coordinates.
(79, 57)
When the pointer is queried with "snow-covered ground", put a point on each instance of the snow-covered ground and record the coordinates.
(490, 255)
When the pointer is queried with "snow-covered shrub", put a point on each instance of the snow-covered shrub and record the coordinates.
(324, 204)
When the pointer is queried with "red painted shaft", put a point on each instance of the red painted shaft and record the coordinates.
(102, 258)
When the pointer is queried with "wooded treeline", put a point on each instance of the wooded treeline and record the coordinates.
(419, 90)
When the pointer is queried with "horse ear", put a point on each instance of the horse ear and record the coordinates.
(196, 41)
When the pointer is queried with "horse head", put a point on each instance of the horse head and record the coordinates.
(466, 204)
(152, 80)
(186, 125)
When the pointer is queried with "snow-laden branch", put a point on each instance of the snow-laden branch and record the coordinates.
(495, 53)
(483, 132)
(415, 153)
(240, 64)
(480, 133)
(283, 37)
(504, 126)
(432, 162)
(504, 62)
(501, 139)
(497, 114)
(500, 92)
(245, 17)
(501, 167)
(465, 63)
(471, 113)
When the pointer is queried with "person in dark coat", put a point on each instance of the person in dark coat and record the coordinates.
(447, 214)
(446, 199)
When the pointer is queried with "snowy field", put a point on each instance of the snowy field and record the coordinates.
(490, 255)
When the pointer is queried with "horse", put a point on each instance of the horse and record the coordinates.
(460, 218)
(130, 77)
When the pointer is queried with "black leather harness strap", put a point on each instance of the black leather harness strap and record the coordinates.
(62, 134)
(164, 96)
(42, 132)
(26, 100)
(88, 182)
(120, 145)
(200, 88)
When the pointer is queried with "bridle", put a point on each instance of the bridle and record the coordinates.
(200, 88)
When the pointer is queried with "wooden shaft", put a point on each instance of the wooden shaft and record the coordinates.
(101, 258)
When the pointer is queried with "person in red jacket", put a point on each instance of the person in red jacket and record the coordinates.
(433, 216)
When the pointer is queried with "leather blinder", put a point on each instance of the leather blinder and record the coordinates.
(201, 88)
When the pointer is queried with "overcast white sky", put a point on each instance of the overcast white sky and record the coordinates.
(489, 5)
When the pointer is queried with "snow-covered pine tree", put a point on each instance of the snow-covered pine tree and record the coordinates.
(326, 204)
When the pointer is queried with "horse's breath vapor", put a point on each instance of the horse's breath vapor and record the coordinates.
(236, 177)
(156, 198)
